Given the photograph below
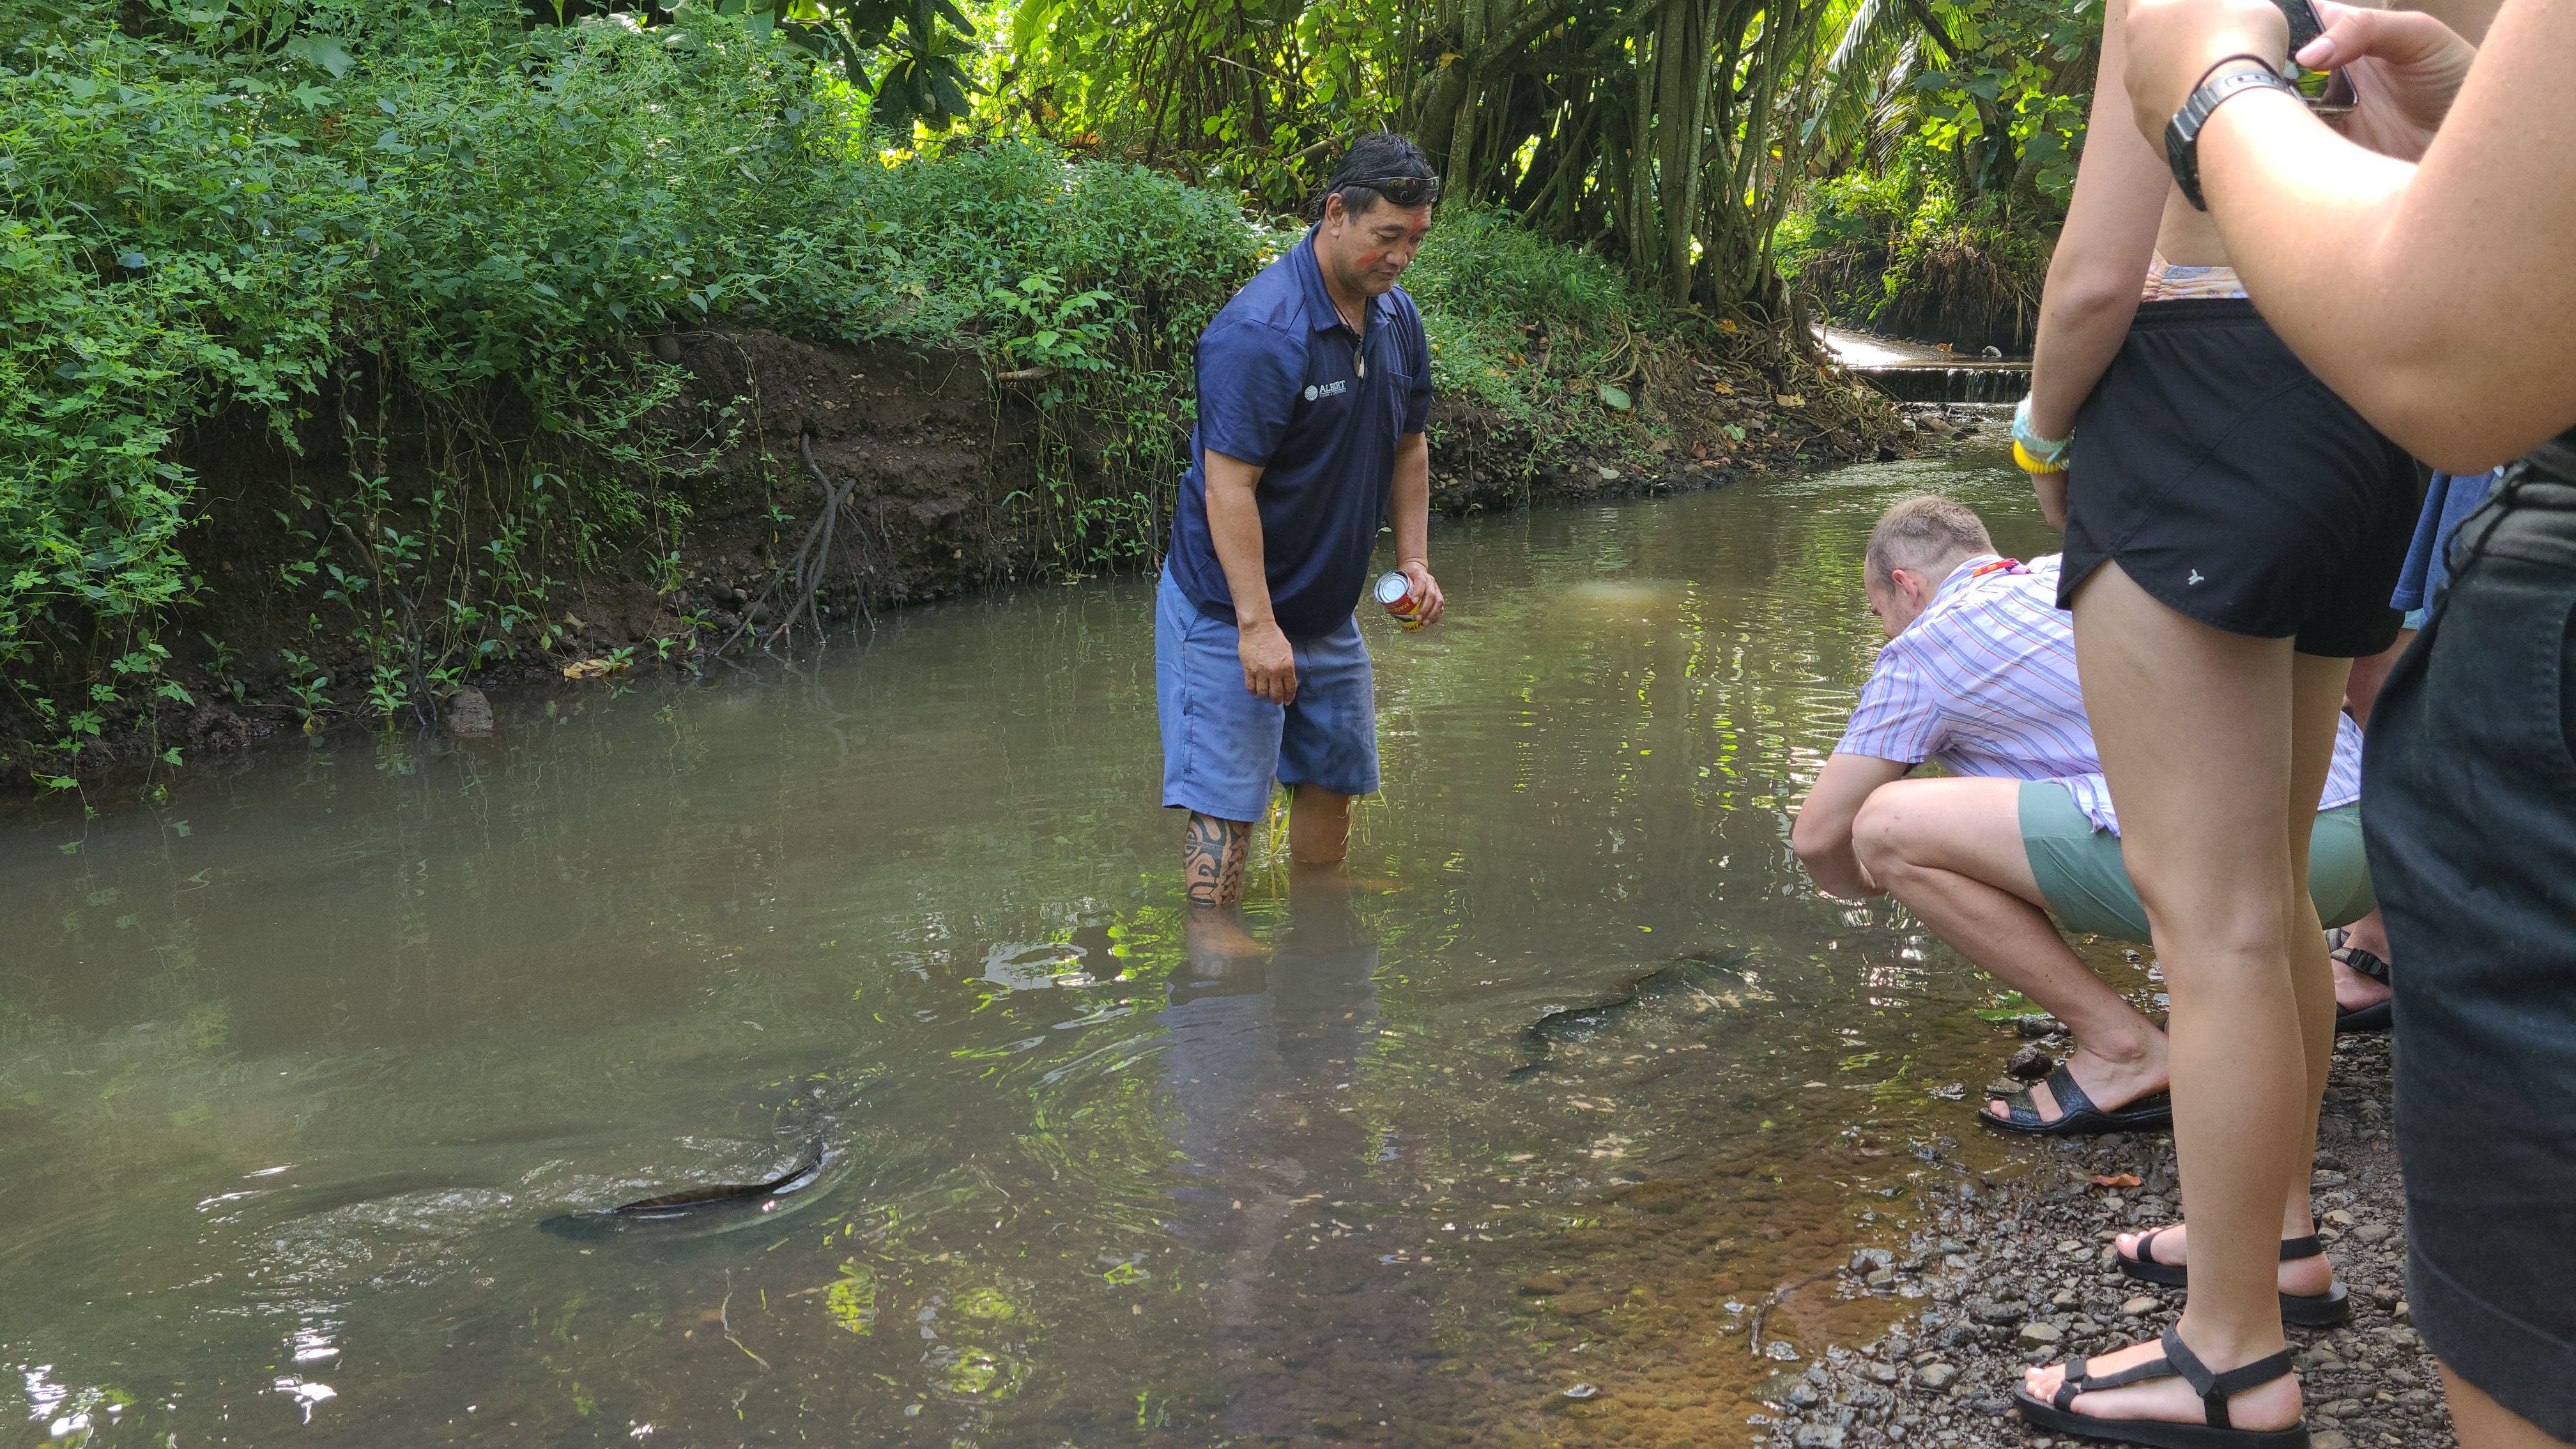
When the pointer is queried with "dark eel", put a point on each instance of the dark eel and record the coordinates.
(1540, 1036)
(800, 1174)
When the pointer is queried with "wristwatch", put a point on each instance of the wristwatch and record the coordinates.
(2182, 133)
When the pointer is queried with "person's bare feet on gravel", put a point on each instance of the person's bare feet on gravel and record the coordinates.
(2112, 1083)
(2301, 1277)
(2273, 1405)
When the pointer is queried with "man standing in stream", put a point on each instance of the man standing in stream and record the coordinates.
(1314, 386)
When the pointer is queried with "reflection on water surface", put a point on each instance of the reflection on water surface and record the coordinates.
(292, 1066)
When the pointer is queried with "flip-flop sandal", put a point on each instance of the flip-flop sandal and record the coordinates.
(2377, 1016)
(2076, 1114)
(2057, 1412)
(2307, 1310)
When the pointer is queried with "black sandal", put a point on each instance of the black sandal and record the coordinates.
(2379, 1015)
(2307, 1310)
(2076, 1114)
(2058, 1412)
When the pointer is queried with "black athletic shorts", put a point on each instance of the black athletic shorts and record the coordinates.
(2230, 484)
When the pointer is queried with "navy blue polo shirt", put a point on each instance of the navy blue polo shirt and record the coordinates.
(1280, 386)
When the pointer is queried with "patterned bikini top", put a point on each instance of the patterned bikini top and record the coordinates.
(2169, 283)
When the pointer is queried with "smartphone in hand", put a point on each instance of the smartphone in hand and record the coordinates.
(2328, 93)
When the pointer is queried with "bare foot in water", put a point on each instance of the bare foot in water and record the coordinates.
(1218, 931)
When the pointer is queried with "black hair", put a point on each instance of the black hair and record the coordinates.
(1376, 155)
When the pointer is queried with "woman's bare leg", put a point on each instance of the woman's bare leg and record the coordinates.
(2199, 738)
(2316, 698)
(2317, 686)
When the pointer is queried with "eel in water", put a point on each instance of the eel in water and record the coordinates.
(800, 1174)
(1539, 1038)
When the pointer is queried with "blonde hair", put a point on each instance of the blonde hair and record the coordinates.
(1920, 531)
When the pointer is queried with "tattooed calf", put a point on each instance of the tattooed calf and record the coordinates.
(1212, 856)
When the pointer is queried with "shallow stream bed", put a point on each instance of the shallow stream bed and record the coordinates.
(294, 1064)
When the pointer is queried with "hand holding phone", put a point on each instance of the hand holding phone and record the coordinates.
(2327, 92)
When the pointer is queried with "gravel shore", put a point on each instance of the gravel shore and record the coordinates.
(2019, 1272)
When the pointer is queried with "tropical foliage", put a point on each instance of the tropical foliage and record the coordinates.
(1673, 136)
(1958, 145)
(321, 213)
(333, 220)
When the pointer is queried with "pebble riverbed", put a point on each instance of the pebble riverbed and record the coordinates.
(2019, 1272)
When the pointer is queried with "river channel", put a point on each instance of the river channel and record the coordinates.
(295, 1063)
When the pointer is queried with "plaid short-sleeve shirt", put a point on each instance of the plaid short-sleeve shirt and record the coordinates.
(1984, 683)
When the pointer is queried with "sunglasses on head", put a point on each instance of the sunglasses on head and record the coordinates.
(1402, 190)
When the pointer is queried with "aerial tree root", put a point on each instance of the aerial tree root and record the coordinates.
(804, 575)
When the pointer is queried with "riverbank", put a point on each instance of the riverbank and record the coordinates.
(943, 473)
(405, 376)
(2018, 1272)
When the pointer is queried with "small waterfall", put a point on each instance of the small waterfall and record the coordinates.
(1992, 382)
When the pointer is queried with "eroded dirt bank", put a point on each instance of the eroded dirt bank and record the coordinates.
(948, 471)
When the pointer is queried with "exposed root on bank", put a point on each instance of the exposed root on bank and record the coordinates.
(803, 575)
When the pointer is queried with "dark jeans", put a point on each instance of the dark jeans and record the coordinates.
(2469, 799)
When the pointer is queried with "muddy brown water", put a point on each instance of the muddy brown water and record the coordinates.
(294, 1064)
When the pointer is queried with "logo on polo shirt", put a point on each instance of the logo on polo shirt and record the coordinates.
(1330, 389)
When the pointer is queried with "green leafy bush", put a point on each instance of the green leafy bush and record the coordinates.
(430, 198)
(1536, 331)
(316, 210)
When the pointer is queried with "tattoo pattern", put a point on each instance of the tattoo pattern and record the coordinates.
(1212, 857)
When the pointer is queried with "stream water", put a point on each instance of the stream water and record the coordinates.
(294, 1064)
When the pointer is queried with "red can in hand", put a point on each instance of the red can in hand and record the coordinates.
(1395, 590)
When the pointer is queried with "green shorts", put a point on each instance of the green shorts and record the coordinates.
(2086, 884)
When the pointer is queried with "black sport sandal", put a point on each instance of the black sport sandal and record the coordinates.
(2307, 1310)
(2076, 1114)
(2058, 1412)
(2380, 1015)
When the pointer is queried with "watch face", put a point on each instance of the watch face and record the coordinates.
(2179, 158)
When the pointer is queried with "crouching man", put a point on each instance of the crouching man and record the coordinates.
(1979, 676)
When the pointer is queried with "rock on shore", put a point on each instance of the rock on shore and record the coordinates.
(2024, 1276)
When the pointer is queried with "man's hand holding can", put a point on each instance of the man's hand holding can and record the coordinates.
(1411, 594)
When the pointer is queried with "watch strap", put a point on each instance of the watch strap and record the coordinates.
(2182, 133)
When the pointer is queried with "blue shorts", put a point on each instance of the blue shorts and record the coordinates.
(1223, 744)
